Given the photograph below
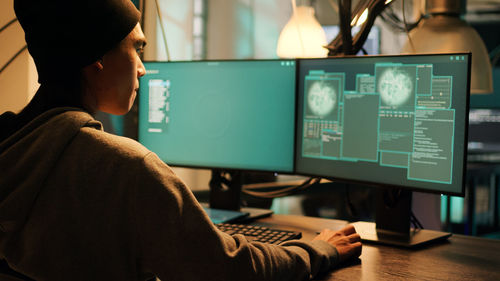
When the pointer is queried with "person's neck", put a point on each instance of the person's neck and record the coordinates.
(89, 102)
(48, 97)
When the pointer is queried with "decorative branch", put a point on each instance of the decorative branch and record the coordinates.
(345, 26)
(344, 43)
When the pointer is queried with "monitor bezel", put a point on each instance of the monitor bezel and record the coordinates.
(384, 185)
(291, 172)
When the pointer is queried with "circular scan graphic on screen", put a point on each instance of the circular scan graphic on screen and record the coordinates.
(395, 87)
(321, 98)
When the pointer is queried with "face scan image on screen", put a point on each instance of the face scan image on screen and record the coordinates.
(220, 114)
(385, 120)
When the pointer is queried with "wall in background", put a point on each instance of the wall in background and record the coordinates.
(178, 24)
(489, 101)
(18, 82)
(245, 29)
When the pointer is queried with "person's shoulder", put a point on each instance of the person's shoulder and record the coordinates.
(109, 145)
(94, 145)
(125, 152)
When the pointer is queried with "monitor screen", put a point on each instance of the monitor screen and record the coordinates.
(385, 120)
(220, 114)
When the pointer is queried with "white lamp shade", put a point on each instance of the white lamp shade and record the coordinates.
(448, 34)
(302, 36)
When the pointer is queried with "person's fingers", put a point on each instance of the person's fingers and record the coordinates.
(348, 230)
(354, 238)
(358, 248)
(346, 252)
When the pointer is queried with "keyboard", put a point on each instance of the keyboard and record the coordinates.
(259, 233)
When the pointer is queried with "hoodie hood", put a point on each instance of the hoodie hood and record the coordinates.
(28, 156)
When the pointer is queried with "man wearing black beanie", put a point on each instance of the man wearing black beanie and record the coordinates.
(77, 203)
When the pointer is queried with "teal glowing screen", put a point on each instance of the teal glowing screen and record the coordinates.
(220, 114)
(391, 120)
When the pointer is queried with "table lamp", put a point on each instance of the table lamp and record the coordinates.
(302, 36)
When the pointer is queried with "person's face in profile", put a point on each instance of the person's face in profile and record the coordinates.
(113, 81)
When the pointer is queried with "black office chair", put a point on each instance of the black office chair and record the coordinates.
(8, 274)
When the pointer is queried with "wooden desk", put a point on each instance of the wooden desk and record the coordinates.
(459, 258)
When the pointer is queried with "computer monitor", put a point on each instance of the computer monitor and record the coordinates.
(220, 114)
(390, 121)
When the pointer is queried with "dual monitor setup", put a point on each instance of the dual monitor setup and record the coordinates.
(397, 122)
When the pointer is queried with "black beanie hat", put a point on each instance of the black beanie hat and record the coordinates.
(63, 36)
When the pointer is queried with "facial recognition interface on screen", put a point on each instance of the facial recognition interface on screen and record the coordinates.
(220, 114)
(393, 120)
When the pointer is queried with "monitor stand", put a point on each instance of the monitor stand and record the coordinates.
(392, 222)
(225, 190)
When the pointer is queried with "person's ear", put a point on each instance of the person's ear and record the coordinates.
(99, 65)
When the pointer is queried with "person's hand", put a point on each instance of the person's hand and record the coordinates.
(346, 240)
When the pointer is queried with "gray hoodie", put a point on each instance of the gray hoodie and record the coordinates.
(77, 203)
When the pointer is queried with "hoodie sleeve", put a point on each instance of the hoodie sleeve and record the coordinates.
(177, 241)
